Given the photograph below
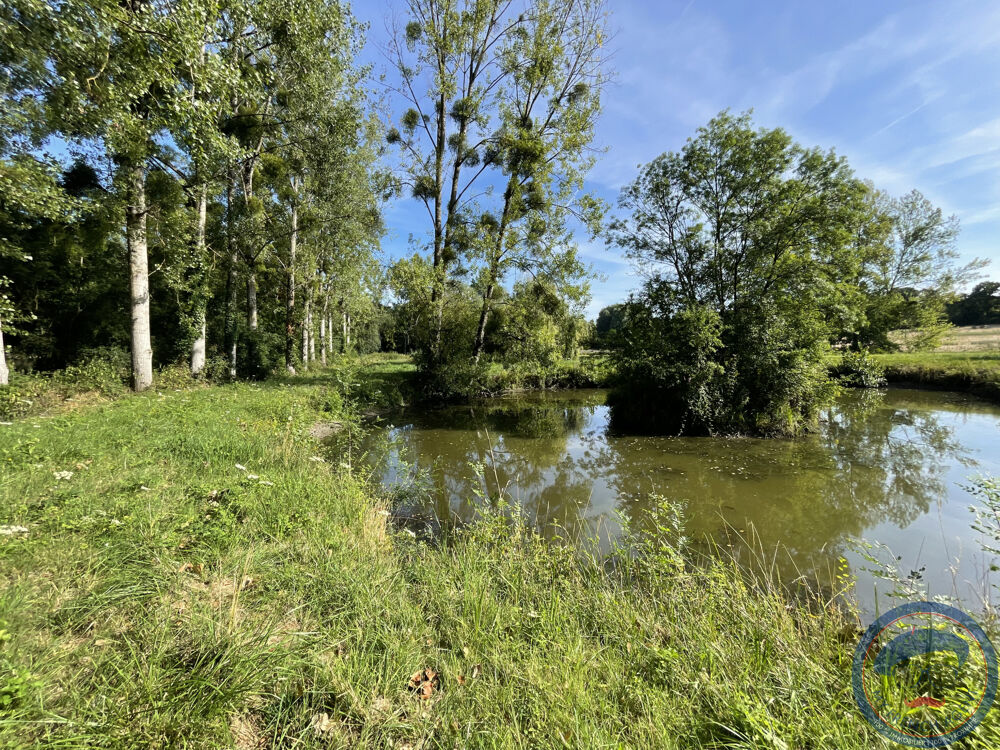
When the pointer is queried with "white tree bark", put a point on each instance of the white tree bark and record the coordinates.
(135, 234)
(252, 300)
(306, 320)
(322, 331)
(290, 292)
(312, 337)
(329, 332)
(198, 346)
(4, 371)
(230, 319)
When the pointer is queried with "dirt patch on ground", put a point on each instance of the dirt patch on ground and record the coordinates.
(246, 733)
(220, 592)
(324, 430)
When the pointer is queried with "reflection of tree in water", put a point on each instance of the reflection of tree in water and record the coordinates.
(868, 463)
(890, 462)
(871, 460)
(521, 447)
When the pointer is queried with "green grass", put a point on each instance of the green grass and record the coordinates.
(163, 596)
(970, 372)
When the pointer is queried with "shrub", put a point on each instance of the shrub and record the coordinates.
(107, 370)
(259, 354)
(859, 369)
(216, 369)
(452, 379)
(18, 398)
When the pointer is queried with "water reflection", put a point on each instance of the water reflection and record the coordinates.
(882, 466)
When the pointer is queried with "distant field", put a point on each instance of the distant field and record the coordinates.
(964, 339)
(972, 339)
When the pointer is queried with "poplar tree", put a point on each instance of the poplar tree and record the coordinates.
(500, 93)
(118, 65)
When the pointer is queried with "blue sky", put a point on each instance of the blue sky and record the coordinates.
(907, 90)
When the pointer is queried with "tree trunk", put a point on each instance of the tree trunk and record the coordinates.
(252, 300)
(437, 290)
(494, 271)
(230, 322)
(323, 341)
(135, 234)
(484, 314)
(343, 328)
(198, 346)
(4, 371)
(290, 294)
(305, 331)
(312, 337)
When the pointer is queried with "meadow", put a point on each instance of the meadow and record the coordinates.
(191, 568)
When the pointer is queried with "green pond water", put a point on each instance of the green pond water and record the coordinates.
(887, 467)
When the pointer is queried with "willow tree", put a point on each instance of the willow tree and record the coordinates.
(909, 282)
(737, 234)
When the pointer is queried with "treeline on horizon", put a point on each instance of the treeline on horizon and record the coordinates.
(225, 165)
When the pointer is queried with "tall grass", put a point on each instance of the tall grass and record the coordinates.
(195, 572)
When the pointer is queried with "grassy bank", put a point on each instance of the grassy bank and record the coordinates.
(189, 569)
(969, 372)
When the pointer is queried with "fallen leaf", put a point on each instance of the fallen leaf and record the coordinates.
(424, 682)
(322, 724)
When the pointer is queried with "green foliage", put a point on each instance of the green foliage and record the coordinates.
(910, 277)
(507, 94)
(859, 369)
(904, 319)
(16, 686)
(221, 135)
(979, 307)
(987, 513)
(609, 327)
(106, 371)
(260, 354)
(728, 335)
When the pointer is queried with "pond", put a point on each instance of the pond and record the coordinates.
(884, 466)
